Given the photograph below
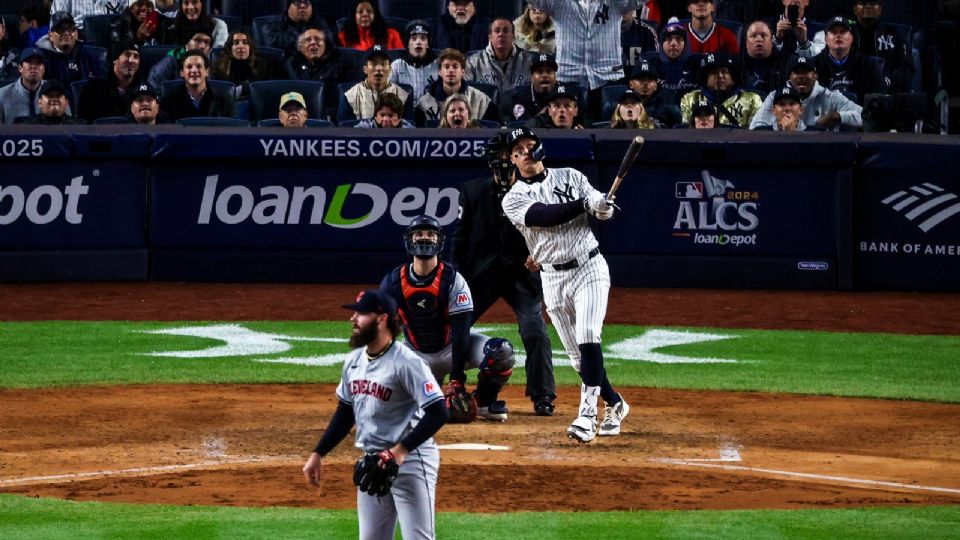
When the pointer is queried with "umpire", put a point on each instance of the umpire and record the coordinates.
(493, 257)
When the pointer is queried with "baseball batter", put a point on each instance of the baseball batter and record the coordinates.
(434, 304)
(397, 407)
(548, 207)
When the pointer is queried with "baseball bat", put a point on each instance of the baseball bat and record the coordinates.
(635, 146)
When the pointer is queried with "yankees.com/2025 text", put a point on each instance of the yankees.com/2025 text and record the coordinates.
(426, 148)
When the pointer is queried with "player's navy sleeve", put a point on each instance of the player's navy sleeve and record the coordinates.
(551, 215)
(460, 330)
(434, 416)
(339, 427)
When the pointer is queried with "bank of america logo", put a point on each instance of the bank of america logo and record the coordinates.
(926, 205)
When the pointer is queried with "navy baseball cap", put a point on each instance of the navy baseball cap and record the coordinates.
(787, 92)
(645, 69)
(376, 53)
(840, 21)
(629, 95)
(30, 52)
(563, 91)
(703, 108)
(143, 90)
(544, 59)
(373, 301)
(53, 87)
(802, 64)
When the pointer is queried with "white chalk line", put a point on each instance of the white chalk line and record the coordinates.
(143, 471)
(793, 474)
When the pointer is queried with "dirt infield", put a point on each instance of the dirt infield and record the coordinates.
(243, 445)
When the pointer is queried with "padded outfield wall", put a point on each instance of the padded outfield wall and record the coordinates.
(721, 208)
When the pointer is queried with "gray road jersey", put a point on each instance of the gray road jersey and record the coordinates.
(562, 243)
(387, 394)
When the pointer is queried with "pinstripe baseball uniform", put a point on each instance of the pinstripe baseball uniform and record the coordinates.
(388, 395)
(588, 39)
(575, 295)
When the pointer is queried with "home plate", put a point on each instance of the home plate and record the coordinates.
(471, 446)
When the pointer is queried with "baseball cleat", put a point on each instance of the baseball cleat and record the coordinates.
(612, 416)
(583, 429)
(543, 407)
(496, 411)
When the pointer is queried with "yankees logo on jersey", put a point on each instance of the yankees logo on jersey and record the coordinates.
(603, 15)
(564, 195)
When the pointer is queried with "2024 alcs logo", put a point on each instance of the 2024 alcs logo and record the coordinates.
(714, 204)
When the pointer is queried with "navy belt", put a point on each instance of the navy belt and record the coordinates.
(575, 263)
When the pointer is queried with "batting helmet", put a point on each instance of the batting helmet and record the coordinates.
(423, 248)
(514, 135)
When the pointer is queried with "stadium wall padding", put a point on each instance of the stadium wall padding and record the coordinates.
(719, 208)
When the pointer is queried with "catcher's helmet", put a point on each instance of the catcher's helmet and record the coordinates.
(514, 135)
(501, 167)
(423, 248)
(497, 355)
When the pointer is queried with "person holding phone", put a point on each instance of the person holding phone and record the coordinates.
(791, 33)
(138, 25)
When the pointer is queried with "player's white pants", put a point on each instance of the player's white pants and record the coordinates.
(576, 301)
(411, 499)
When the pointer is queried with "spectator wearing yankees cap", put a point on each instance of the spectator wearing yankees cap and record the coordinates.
(563, 111)
(630, 114)
(659, 103)
(528, 100)
(841, 67)
(68, 58)
(52, 107)
(19, 98)
(720, 84)
(823, 108)
(110, 97)
(144, 108)
(676, 65)
(704, 115)
(877, 38)
(417, 66)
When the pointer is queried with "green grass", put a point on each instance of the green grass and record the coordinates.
(844, 364)
(46, 519)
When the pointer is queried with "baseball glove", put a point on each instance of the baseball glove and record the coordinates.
(461, 405)
(375, 473)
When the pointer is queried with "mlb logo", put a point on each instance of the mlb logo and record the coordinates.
(463, 299)
(689, 190)
(430, 388)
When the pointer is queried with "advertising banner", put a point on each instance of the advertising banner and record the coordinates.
(907, 215)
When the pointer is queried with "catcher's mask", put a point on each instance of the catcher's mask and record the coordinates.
(498, 159)
(423, 248)
(514, 135)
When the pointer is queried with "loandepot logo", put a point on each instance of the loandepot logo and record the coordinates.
(280, 205)
(926, 205)
(713, 211)
(236, 340)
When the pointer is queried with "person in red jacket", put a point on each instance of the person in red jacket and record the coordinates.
(367, 28)
(705, 35)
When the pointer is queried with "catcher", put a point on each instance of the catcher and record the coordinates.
(435, 303)
(397, 406)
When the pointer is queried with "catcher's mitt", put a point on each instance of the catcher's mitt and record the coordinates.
(461, 405)
(375, 473)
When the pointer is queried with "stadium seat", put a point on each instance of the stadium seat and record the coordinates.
(110, 120)
(311, 122)
(611, 94)
(331, 10)
(517, 124)
(259, 28)
(489, 123)
(96, 29)
(151, 54)
(413, 9)
(600, 125)
(213, 121)
(248, 10)
(734, 26)
(76, 88)
(101, 53)
(350, 123)
(356, 60)
(265, 98)
(12, 20)
(234, 24)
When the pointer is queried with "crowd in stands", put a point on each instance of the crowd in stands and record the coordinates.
(553, 64)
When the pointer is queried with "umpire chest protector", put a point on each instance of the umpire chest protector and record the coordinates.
(422, 306)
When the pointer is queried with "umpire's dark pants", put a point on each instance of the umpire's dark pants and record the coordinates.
(526, 300)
